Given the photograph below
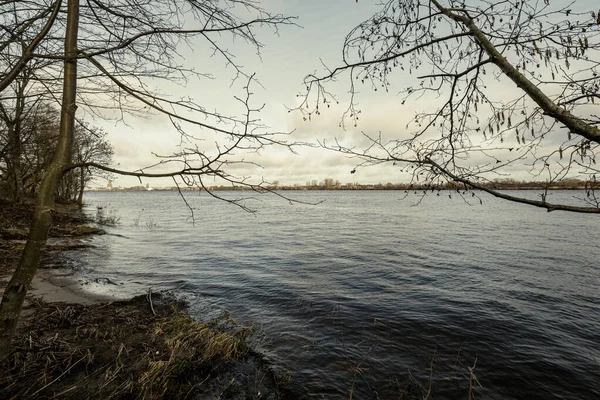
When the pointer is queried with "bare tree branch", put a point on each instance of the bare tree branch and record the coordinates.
(471, 124)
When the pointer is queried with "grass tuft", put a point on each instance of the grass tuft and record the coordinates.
(191, 346)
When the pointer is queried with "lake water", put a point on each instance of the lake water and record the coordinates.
(366, 289)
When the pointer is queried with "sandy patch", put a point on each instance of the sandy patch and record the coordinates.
(59, 286)
(55, 286)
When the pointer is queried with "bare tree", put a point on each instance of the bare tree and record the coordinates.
(27, 139)
(11, 140)
(28, 133)
(91, 146)
(17, 111)
(107, 55)
(20, 19)
(499, 86)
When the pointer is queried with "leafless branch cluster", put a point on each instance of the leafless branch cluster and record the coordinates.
(125, 49)
(499, 85)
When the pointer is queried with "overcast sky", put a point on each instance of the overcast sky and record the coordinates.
(285, 60)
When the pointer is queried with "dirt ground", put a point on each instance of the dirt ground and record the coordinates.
(81, 347)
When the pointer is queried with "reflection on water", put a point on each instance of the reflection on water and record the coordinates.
(358, 290)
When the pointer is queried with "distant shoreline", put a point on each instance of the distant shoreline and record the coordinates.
(342, 188)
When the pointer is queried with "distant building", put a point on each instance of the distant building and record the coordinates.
(109, 186)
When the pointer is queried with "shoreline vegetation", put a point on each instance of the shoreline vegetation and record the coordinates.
(330, 184)
(73, 344)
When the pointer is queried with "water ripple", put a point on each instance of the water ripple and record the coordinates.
(364, 287)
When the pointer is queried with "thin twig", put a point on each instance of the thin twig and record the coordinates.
(60, 376)
(149, 297)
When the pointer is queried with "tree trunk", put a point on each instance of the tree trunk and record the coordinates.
(15, 151)
(14, 171)
(14, 294)
(81, 186)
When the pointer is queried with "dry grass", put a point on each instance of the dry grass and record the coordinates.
(191, 345)
(121, 350)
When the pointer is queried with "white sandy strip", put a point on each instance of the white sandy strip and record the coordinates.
(58, 286)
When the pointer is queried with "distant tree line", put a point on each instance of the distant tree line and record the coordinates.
(496, 184)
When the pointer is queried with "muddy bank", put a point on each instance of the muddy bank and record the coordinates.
(71, 344)
(52, 282)
(69, 229)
